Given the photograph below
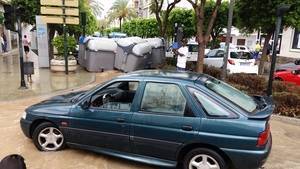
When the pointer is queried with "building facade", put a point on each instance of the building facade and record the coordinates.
(290, 46)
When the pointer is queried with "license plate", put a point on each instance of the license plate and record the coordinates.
(245, 63)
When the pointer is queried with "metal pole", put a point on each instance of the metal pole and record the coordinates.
(23, 84)
(65, 39)
(280, 12)
(228, 38)
(274, 56)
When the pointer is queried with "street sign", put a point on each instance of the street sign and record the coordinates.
(59, 20)
(61, 12)
(45, 10)
(68, 3)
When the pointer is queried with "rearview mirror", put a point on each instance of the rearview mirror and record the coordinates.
(85, 105)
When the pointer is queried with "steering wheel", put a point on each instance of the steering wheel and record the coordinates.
(106, 98)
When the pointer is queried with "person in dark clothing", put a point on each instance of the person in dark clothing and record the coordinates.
(4, 42)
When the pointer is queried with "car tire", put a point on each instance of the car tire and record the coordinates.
(203, 157)
(47, 137)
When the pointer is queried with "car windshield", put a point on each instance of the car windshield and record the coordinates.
(237, 97)
(212, 52)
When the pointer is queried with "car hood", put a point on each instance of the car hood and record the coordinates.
(60, 104)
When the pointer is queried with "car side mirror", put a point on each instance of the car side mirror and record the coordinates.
(85, 105)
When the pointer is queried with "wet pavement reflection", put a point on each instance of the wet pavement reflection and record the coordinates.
(44, 81)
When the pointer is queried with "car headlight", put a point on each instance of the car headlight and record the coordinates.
(24, 115)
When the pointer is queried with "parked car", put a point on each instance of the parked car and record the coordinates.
(158, 117)
(288, 75)
(193, 52)
(241, 48)
(238, 62)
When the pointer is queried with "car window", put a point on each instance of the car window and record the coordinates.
(242, 48)
(212, 53)
(115, 97)
(244, 55)
(163, 98)
(193, 48)
(234, 95)
(234, 55)
(211, 107)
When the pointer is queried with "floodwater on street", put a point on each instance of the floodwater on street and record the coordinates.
(285, 153)
(44, 81)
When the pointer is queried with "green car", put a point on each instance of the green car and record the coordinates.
(162, 118)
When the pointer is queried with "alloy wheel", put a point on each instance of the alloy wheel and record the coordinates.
(203, 161)
(50, 139)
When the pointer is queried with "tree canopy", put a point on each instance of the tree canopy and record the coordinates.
(141, 27)
(256, 15)
(260, 15)
(184, 17)
(32, 8)
(120, 11)
(161, 14)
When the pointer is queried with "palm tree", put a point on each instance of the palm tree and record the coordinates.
(121, 11)
(96, 6)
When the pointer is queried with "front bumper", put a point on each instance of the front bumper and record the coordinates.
(25, 126)
(249, 159)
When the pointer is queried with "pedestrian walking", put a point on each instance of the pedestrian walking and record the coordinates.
(256, 53)
(182, 55)
(26, 45)
(269, 49)
(3, 40)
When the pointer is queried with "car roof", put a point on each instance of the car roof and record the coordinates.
(163, 74)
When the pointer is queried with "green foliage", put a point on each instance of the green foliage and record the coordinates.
(120, 11)
(141, 27)
(1, 18)
(109, 30)
(185, 17)
(58, 43)
(91, 24)
(220, 22)
(32, 8)
(261, 14)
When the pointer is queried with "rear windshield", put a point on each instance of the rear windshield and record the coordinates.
(232, 94)
(212, 53)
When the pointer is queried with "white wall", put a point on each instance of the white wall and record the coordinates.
(286, 45)
(249, 40)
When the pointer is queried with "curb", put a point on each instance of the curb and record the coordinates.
(289, 120)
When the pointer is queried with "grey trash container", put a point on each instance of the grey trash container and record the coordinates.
(28, 68)
(100, 54)
(81, 54)
(139, 58)
(125, 46)
(158, 53)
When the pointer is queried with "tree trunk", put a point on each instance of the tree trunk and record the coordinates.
(51, 36)
(200, 62)
(264, 57)
(120, 19)
(201, 38)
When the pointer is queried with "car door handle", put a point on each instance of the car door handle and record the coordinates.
(187, 128)
(120, 120)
